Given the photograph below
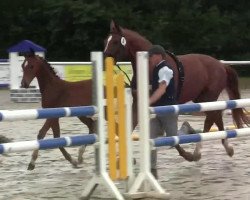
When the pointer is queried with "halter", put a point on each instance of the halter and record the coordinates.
(123, 43)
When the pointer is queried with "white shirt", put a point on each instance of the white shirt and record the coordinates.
(165, 74)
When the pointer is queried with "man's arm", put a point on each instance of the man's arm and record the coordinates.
(158, 92)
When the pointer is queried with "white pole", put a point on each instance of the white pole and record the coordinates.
(128, 97)
(145, 177)
(101, 175)
(143, 109)
(97, 59)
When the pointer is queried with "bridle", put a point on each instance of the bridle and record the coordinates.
(123, 42)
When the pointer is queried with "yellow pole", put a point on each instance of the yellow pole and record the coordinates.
(109, 63)
(121, 126)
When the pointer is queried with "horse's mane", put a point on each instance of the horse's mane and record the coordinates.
(136, 36)
(51, 69)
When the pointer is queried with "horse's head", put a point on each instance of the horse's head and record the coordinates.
(116, 44)
(122, 44)
(30, 66)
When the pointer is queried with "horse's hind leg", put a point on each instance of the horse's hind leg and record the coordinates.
(90, 124)
(219, 123)
(81, 151)
(209, 121)
(56, 132)
(41, 135)
(229, 149)
(186, 155)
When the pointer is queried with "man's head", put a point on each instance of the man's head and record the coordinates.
(156, 54)
(156, 50)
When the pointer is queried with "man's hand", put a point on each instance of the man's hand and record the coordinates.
(158, 92)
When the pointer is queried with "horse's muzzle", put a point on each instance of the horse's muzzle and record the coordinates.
(109, 55)
(24, 84)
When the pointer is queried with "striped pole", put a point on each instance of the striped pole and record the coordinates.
(47, 143)
(199, 137)
(45, 113)
(200, 107)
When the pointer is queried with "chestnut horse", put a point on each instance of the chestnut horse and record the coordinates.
(56, 92)
(205, 78)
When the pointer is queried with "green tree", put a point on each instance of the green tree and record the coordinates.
(70, 29)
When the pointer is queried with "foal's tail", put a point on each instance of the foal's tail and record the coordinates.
(239, 116)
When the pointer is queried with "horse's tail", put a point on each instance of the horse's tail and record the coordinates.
(239, 116)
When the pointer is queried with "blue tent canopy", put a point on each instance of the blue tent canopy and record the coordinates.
(26, 46)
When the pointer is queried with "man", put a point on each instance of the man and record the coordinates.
(163, 93)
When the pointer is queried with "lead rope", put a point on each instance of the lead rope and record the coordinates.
(126, 84)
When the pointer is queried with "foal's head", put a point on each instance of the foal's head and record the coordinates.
(31, 66)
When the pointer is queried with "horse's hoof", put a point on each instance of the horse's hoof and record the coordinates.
(188, 156)
(186, 128)
(197, 156)
(230, 151)
(31, 166)
(74, 163)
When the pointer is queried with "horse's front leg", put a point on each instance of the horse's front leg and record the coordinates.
(41, 135)
(90, 123)
(81, 151)
(56, 132)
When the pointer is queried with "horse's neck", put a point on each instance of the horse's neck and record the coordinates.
(46, 79)
(135, 47)
(138, 44)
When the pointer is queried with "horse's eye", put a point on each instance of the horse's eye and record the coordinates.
(31, 66)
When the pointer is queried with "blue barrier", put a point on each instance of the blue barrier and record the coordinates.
(200, 107)
(194, 138)
(13, 115)
(48, 143)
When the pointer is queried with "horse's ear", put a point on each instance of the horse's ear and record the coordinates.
(32, 52)
(29, 53)
(115, 28)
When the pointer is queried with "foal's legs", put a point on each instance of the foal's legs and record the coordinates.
(56, 132)
(91, 126)
(41, 135)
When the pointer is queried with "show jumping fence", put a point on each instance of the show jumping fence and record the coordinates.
(144, 183)
(200, 107)
(145, 111)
